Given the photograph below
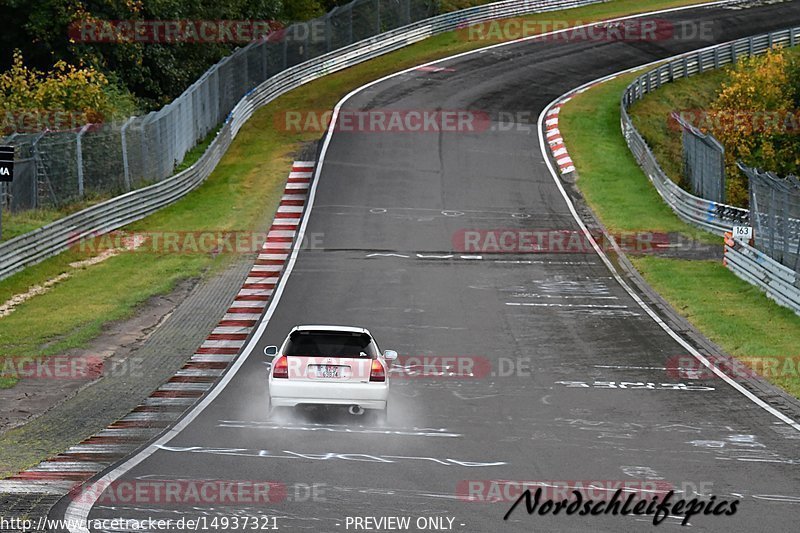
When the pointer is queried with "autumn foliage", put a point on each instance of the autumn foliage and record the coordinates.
(27, 94)
(755, 115)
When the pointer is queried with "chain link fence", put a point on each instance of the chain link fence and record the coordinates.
(703, 162)
(57, 167)
(775, 215)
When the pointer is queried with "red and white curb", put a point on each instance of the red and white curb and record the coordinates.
(59, 474)
(553, 134)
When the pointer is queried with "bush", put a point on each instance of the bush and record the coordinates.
(63, 98)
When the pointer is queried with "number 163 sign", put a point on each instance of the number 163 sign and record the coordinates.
(743, 233)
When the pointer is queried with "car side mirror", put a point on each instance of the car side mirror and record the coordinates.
(271, 351)
(390, 355)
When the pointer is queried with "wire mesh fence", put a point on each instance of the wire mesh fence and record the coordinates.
(703, 162)
(58, 167)
(775, 215)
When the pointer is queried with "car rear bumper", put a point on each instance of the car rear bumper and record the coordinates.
(286, 393)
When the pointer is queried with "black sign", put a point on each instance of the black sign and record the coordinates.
(6, 163)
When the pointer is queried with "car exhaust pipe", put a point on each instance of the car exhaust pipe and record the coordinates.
(355, 410)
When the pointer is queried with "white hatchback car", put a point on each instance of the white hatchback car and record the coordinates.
(330, 365)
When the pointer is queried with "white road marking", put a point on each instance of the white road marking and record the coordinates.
(327, 456)
(330, 428)
(549, 304)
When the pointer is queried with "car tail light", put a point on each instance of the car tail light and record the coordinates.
(281, 368)
(377, 373)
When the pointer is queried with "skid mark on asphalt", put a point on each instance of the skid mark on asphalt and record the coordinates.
(634, 385)
(328, 456)
(559, 288)
(641, 472)
(338, 428)
(741, 447)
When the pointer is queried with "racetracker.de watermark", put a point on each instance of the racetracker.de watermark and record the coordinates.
(740, 368)
(37, 120)
(69, 367)
(505, 490)
(533, 241)
(181, 492)
(385, 121)
(195, 242)
(568, 31)
(186, 31)
(784, 122)
(412, 367)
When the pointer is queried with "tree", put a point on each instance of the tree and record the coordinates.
(752, 118)
(156, 73)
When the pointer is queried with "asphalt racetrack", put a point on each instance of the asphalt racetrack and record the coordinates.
(561, 355)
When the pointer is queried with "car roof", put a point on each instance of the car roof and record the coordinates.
(344, 329)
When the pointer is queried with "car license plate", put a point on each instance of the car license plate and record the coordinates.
(328, 371)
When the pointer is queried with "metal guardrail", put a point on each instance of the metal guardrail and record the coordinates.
(775, 215)
(37, 245)
(781, 283)
(712, 216)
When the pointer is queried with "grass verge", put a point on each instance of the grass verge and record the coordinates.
(240, 193)
(729, 311)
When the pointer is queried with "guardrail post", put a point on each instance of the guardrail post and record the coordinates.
(671, 71)
(750, 45)
(733, 53)
(37, 158)
(350, 27)
(699, 62)
(79, 153)
(769, 41)
(306, 43)
(264, 59)
(125, 168)
(792, 39)
(685, 73)
(328, 32)
(716, 57)
(2, 201)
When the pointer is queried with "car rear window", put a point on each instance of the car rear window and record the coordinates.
(323, 344)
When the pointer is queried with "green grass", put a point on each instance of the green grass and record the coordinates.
(610, 179)
(194, 154)
(729, 311)
(16, 224)
(239, 195)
